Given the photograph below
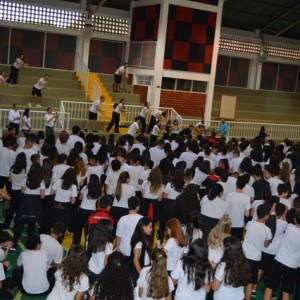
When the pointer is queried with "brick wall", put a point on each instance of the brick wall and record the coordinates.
(186, 104)
(142, 90)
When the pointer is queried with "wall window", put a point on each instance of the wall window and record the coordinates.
(184, 85)
(144, 80)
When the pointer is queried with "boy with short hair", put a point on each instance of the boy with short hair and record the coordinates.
(257, 236)
(284, 267)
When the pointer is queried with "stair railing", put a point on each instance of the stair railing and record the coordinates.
(82, 70)
(96, 91)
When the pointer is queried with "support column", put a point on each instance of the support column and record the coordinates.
(211, 83)
(159, 54)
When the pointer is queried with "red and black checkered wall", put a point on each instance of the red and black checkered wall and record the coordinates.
(144, 26)
(105, 56)
(190, 38)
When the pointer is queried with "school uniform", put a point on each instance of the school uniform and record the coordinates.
(115, 119)
(7, 159)
(174, 253)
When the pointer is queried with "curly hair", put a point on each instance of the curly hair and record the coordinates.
(155, 180)
(237, 268)
(73, 266)
(157, 277)
(219, 232)
(196, 264)
(114, 282)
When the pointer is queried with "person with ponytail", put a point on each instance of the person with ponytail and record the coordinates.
(193, 273)
(141, 247)
(213, 208)
(114, 282)
(154, 282)
(121, 195)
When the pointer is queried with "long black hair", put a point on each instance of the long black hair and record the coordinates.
(193, 224)
(215, 191)
(47, 171)
(114, 282)
(102, 234)
(178, 181)
(237, 269)
(20, 164)
(68, 179)
(140, 236)
(93, 187)
(34, 176)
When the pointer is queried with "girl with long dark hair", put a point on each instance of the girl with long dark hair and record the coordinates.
(114, 282)
(154, 282)
(141, 247)
(26, 123)
(171, 191)
(16, 177)
(30, 211)
(121, 195)
(213, 208)
(71, 279)
(192, 229)
(100, 247)
(232, 273)
(89, 195)
(193, 273)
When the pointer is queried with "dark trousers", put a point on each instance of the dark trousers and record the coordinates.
(151, 124)
(237, 232)
(118, 212)
(207, 225)
(81, 222)
(115, 120)
(49, 130)
(13, 76)
(143, 122)
(4, 181)
(153, 139)
(145, 209)
(297, 291)
(16, 198)
(46, 225)
(18, 229)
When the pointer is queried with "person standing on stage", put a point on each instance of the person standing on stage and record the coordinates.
(115, 118)
(14, 72)
(157, 114)
(120, 72)
(50, 119)
(93, 114)
(223, 129)
(37, 90)
(14, 118)
(142, 116)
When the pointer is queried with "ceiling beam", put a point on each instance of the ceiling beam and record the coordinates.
(96, 9)
(287, 28)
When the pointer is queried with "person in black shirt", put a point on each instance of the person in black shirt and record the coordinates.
(259, 185)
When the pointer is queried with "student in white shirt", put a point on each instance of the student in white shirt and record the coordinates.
(119, 73)
(189, 285)
(141, 247)
(238, 206)
(142, 116)
(122, 193)
(155, 279)
(26, 123)
(112, 178)
(154, 133)
(61, 167)
(93, 114)
(135, 171)
(50, 119)
(100, 247)
(192, 229)
(31, 271)
(157, 153)
(37, 90)
(132, 130)
(14, 72)
(74, 137)
(283, 191)
(232, 273)
(94, 168)
(213, 208)
(286, 261)
(139, 144)
(175, 247)
(31, 210)
(115, 118)
(27, 149)
(126, 226)
(65, 191)
(71, 279)
(14, 118)
(89, 196)
(189, 156)
(257, 236)
(152, 191)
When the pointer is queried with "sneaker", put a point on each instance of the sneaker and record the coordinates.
(95, 130)
(38, 105)
(29, 104)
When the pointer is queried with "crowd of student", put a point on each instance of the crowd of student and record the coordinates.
(202, 199)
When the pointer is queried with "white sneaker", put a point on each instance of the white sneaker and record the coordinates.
(38, 105)
(29, 104)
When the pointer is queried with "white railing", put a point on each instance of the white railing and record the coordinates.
(96, 91)
(38, 120)
(82, 69)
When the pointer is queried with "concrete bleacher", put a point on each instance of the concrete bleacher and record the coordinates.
(260, 105)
